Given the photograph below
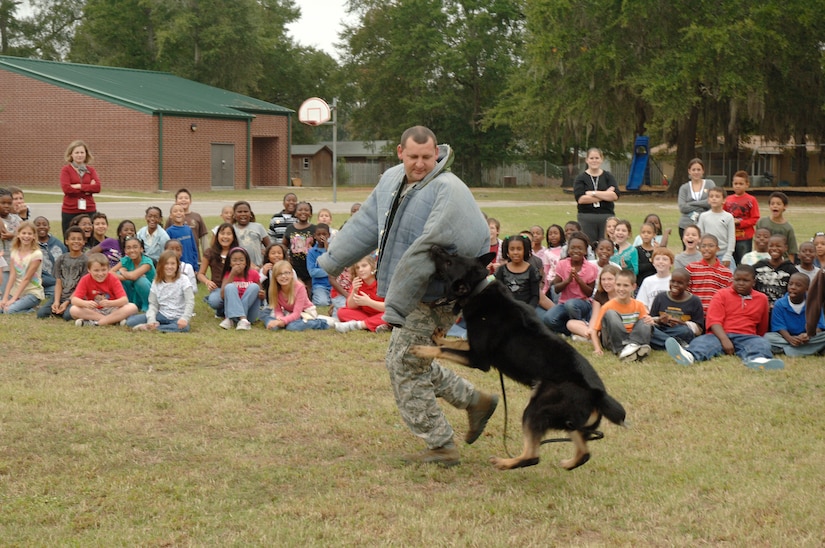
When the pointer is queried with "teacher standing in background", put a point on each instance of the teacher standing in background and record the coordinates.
(595, 191)
(693, 196)
(79, 182)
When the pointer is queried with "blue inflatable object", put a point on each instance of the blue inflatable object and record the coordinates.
(639, 168)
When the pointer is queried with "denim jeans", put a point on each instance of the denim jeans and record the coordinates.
(572, 309)
(662, 333)
(168, 325)
(300, 325)
(215, 301)
(747, 347)
(26, 303)
(320, 295)
(247, 305)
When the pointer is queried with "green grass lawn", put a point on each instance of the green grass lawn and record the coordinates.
(109, 437)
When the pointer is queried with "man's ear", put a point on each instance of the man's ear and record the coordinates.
(486, 259)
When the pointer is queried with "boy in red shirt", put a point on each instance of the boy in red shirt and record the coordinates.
(737, 319)
(99, 298)
(745, 211)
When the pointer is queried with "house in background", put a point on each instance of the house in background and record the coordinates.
(146, 130)
(360, 163)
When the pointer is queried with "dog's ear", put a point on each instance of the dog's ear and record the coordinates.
(486, 259)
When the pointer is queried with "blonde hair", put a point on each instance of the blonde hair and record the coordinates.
(15, 244)
(369, 258)
(275, 288)
(73, 145)
(160, 275)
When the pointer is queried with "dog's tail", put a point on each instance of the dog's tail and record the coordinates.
(612, 410)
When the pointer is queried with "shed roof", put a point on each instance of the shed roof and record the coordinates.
(308, 150)
(146, 91)
(377, 149)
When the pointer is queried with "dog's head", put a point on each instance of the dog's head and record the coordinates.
(462, 274)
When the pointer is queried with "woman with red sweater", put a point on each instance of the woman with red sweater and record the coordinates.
(79, 182)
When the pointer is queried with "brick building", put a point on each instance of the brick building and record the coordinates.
(146, 130)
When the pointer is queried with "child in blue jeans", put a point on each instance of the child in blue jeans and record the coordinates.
(736, 321)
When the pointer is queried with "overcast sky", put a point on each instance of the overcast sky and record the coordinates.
(320, 24)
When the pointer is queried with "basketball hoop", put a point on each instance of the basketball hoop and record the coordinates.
(314, 112)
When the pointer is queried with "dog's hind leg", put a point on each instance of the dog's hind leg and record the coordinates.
(582, 454)
(529, 455)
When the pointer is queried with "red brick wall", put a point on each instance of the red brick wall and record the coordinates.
(38, 121)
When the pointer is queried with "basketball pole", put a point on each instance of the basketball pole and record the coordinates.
(334, 150)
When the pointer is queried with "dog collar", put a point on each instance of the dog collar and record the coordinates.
(482, 285)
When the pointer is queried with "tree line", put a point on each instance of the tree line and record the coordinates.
(498, 79)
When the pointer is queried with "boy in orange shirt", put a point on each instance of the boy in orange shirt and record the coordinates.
(624, 324)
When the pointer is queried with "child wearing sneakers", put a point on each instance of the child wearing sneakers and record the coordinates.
(737, 319)
(623, 323)
(99, 298)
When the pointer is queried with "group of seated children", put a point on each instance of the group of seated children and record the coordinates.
(706, 306)
(147, 279)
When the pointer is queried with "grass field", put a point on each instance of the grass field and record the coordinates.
(224, 438)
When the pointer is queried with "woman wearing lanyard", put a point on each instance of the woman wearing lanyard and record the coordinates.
(693, 196)
(79, 182)
(595, 191)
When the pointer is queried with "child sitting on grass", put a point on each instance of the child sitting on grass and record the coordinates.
(171, 299)
(624, 323)
(676, 313)
(691, 236)
(135, 272)
(24, 289)
(289, 299)
(68, 269)
(777, 223)
(662, 260)
(99, 298)
(709, 275)
(737, 319)
(787, 332)
(365, 308)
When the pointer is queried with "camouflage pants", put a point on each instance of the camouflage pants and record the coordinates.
(417, 382)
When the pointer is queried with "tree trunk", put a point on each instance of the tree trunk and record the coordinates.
(801, 156)
(685, 141)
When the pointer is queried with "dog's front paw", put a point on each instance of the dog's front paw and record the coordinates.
(421, 351)
(438, 335)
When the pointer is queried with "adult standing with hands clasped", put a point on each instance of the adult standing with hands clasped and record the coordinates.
(595, 191)
(693, 196)
(79, 182)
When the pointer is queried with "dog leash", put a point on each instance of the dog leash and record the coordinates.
(592, 435)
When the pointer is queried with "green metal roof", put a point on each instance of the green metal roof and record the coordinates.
(143, 90)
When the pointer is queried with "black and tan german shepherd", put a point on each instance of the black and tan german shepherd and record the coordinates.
(506, 334)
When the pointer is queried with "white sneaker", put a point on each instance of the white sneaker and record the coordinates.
(643, 351)
(329, 319)
(628, 353)
(682, 356)
(141, 327)
(765, 363)
(243, 325)
(346, 327)
(579, 338)
(226, 323)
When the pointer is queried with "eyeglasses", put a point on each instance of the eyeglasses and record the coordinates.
(285, 273)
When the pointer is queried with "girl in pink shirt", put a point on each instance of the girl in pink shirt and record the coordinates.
(288, 298)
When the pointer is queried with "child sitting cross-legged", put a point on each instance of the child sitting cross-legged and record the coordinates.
(736, 320)
(99, 298)
(365, 309)
(171, 299)
(788, 321)
(676, 313)
(623, 323)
